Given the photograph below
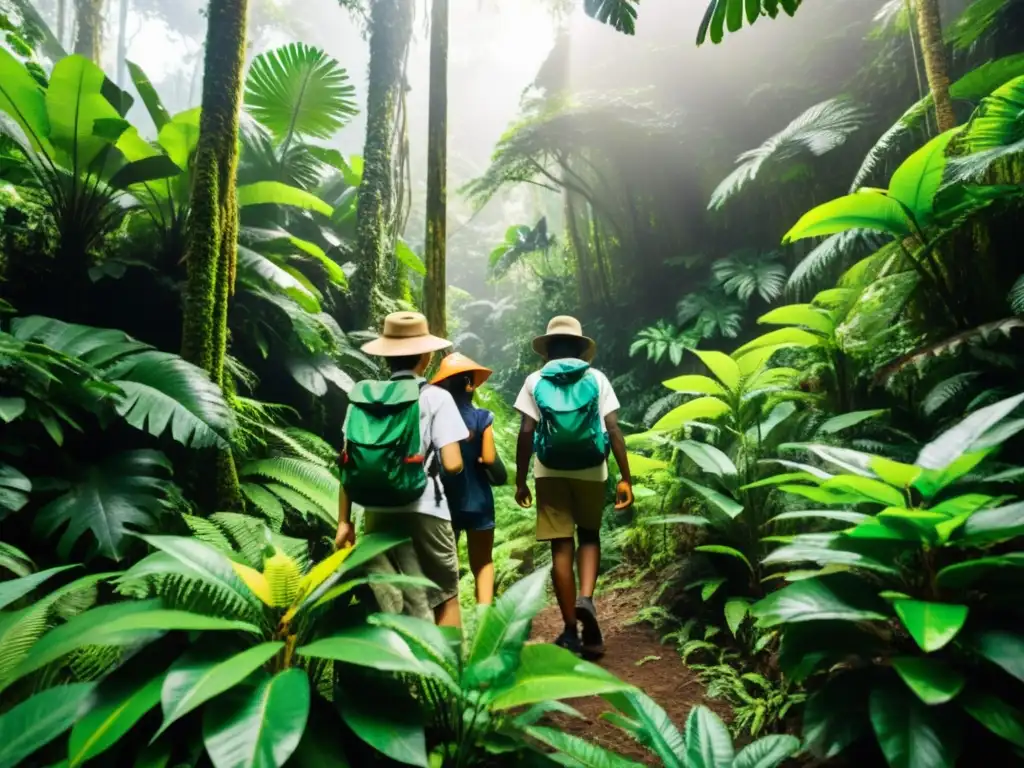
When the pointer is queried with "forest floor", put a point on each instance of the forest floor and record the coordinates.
(634, 654)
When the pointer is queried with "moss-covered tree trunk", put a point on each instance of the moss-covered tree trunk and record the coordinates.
(933, 51)
(390, 32)
(436, 284)
(211, 248)
(89, 38)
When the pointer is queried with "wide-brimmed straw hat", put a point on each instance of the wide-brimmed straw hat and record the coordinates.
(405, 333)
(457, 363)
(562, 326)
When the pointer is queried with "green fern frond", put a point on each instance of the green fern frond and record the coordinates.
(946, 390)
(309, 509)
(266, 503)
(830, 253)
(208, 532)
(1016, 297)
(93, 661)
(311, 480)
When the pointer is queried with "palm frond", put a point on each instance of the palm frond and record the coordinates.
(888, 142)
(947, 390)
(1016, 297)
(620, 14)
(831, 253)
(745, 272)
(817, 131)
(974, 23)
(255, 269)
(298, 90)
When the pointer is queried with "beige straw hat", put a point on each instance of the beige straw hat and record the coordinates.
(563, 325)
(405, 333)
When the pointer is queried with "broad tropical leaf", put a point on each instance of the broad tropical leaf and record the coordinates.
(708, 742)
(932, 680)
(366, 646)
(700, 408)
(111, 501)
(259, 727)
(863, 210)
(278, 193)
(504, 626)
(918, 179)
(620, 14)
(909, 733)
(932, 625)
(767, 752)
(547, 672)
(120, 705)
(820, 599)
(39, 720)
(580, 752)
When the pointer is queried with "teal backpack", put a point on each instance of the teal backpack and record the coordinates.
(571, 433)
(381, 465)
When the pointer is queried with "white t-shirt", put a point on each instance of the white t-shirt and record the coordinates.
(441, 424)
(607, 402)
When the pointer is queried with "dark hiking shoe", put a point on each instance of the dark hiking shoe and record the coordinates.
(593, 642)
(570, 640)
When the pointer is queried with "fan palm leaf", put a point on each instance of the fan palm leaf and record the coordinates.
(743, 273)
(729, 14)
(298, 90)
(817, 131)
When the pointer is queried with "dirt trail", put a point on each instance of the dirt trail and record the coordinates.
(635, 655)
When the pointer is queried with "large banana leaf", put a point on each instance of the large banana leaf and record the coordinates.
(298, 90)
(74, 103)
(863, 210)
(917, 180)
(150, 97)
(278, 193)
(109, 500)
(375, 647)
(260, 727)
(23, 99)
(39, 720)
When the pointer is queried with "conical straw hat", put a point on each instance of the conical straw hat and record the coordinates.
(457, 363)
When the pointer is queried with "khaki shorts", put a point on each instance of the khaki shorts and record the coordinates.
(431, 553)
(565, 503)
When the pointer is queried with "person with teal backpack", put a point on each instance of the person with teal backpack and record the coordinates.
(400, 435)
(569, 421)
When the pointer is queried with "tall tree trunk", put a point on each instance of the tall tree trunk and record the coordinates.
(211, 248)
(933, 50)
(122, 44)
(62, 18)
(436, 284)
(89, 39)
(390, 31)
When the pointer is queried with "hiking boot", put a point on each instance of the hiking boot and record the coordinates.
(570, 640)
(593, 642)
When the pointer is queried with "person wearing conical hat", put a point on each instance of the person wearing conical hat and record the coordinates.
(569, 424)
(400, 435)
(469, 494)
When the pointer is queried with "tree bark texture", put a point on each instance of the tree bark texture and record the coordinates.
(390, 31)
(933, 50)
(211, 248)
(436, 284)
(89, 38)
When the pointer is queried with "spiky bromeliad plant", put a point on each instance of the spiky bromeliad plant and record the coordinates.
(248, 689)
(909, 621)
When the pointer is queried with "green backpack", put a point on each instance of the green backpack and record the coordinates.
(381, 465)
(571, 433)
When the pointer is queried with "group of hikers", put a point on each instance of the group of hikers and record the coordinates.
(421, 460)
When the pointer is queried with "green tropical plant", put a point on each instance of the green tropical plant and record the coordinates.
(252, 690)
(520, 242)
(663, 340)
(477, 696)
(704, 743)
(911, 596)
(746, 272)
(817, 131)
(710, 313)
(729, 14)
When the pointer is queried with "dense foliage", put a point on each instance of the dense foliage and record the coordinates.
(809, 299)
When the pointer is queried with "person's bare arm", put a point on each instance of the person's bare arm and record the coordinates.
(524, 452)
(451, 458)
(624, 490)
(488, 452)
(346, 535)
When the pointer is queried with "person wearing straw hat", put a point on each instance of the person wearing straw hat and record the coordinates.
(396, 433)
(569, 420)
(469, 494)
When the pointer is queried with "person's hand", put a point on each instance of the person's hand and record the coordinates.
(623, 496)
(346, 536)
(523, 496)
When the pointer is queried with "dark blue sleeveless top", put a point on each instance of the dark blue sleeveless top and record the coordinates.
(469, 491)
